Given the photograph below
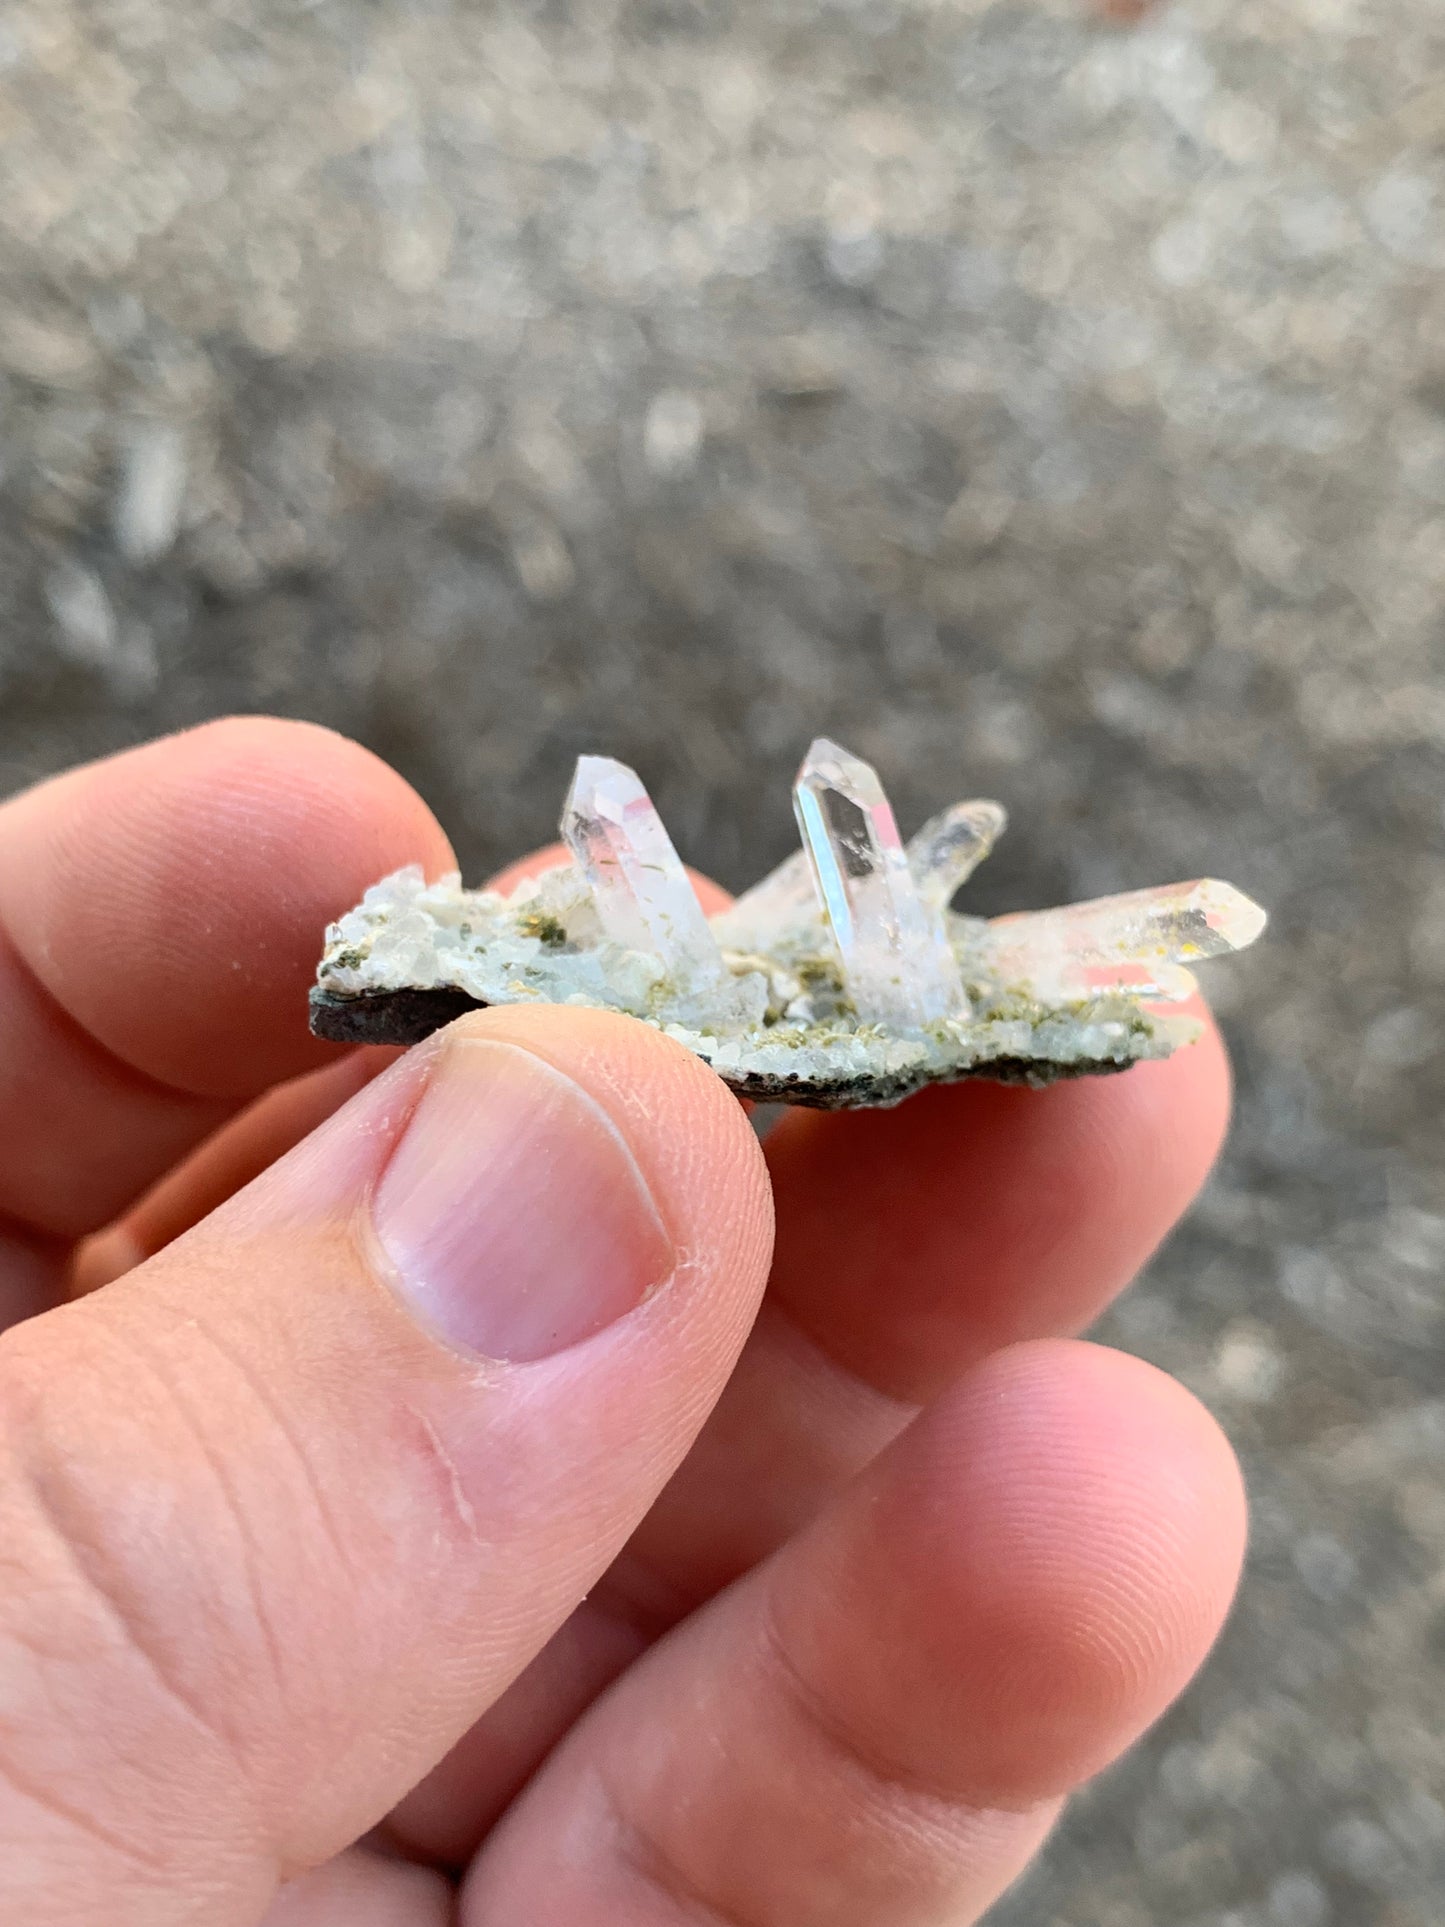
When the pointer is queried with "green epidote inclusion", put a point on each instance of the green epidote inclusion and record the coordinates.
(841, 979)
(544, 928)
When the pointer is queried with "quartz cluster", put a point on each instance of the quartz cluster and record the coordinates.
(843, 978)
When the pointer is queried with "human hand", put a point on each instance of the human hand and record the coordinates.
(445, 1527)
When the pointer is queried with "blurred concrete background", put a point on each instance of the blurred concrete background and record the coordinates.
(1049, 407)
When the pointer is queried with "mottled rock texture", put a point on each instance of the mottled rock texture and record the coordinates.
(1047, 409)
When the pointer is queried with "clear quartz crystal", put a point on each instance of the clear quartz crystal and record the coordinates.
(897, 962)
(1139, 940)
(641, 891)
(950, 846)
(783, 901)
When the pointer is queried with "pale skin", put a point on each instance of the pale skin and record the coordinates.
(799, 1590)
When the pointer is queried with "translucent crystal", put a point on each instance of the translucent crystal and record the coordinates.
(897, 961)
(641, 891)
(1139, 940)
(950, 846)
(784, 900)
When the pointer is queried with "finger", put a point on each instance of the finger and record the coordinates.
(240, 1151)
(913, 1242)
(287, 1506)
(160, 916)
(968, 1218)
(360, 1889)
(876, 1727)
(32, 1267)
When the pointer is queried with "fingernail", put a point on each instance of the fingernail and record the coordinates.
(513, 1213)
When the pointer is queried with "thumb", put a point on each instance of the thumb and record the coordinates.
(283, 1510)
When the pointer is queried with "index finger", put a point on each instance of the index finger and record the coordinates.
(160, 914)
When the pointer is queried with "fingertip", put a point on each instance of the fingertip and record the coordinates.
(364, 1888)
(330, 814)
(102, 1258)
(172, 899)
(1108, 1466)
(1105, 1514)
(1061, 1538)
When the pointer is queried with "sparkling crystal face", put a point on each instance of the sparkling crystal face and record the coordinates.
(897, 962)
(643, 898)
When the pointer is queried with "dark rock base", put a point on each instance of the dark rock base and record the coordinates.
(407, 1016)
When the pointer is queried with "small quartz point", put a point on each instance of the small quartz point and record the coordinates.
(897, 961)
(950, 846)
(641, 891)
(783, 901)
(1139, 940)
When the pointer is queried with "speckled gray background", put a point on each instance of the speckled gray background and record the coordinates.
(1047, 408)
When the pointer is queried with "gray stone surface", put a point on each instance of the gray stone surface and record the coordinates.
(1045, 409)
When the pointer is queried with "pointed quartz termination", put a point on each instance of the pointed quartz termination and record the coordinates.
(897, 961)
(643, 897)
(1138, 941)
(950, 846)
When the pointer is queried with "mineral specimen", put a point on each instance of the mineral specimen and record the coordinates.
(843, 978)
